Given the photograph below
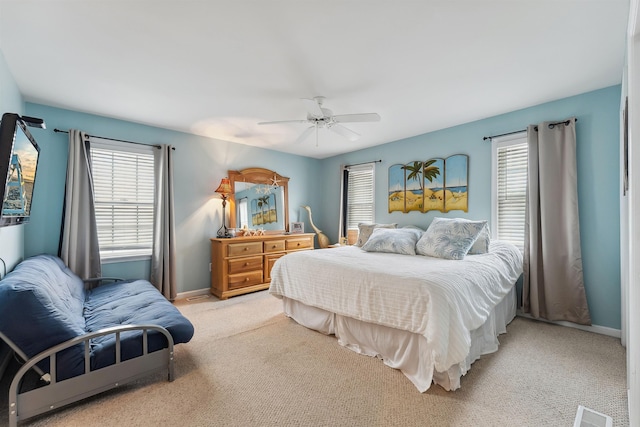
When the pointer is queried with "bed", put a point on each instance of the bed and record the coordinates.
(426, 316)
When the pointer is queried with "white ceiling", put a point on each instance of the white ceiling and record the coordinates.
(217, 68)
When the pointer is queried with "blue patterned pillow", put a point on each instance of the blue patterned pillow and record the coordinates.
(365, 230)
(396, 241)
(449, 238)
(481, 245)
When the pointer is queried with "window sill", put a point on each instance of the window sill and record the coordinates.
(123, 256)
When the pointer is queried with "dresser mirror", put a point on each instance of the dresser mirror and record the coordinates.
(260, 200)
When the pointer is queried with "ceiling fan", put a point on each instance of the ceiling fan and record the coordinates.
(319, 117)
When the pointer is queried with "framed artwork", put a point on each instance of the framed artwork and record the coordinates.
(435, 184)
(296, 227)
(263, 210)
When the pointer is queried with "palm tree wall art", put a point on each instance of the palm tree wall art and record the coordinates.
(434, 184)
(263, 210)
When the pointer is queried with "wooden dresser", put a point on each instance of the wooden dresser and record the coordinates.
(243, 264)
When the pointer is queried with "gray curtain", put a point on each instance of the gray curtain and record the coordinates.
(553, 281)
(163, 256)
(79, 247)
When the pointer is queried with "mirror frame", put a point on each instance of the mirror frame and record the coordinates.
(258, 176)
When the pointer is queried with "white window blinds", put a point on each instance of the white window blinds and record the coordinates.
(510, 188)
(360, 196)
(123, 180)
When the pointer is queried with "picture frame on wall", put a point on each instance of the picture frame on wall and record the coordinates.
(440, 184)
(296, 227)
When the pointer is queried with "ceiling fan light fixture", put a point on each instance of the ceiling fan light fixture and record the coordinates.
(323, 117)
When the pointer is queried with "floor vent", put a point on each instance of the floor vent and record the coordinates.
(586, 417)
(197, 297)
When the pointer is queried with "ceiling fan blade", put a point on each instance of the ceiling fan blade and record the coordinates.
(352, 118)
(347, 133)
(313, 108)
(283, 121)
(304, 134)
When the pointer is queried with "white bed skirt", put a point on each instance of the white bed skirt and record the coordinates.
(405, 350)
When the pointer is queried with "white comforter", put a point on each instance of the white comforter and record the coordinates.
(442, 300)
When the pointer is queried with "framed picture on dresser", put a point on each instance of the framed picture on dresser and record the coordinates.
(297, 227)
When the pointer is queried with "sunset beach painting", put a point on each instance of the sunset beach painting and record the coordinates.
(435, 184)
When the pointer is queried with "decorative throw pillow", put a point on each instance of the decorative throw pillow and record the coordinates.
(413, 227)
(449, 238)
(481, 245)
(393, 240)
(365, 230)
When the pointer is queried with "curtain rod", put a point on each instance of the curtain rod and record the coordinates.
(114, 139)
(566, 122)
(363, 163)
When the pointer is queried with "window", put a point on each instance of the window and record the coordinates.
(123, 182)
(243, 209)
(358, 197)
(510, 156)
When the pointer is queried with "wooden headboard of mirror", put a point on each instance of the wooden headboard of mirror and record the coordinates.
(267, 183)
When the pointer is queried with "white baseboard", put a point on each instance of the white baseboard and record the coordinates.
(630, 413)
(603, 330)
(191, 294)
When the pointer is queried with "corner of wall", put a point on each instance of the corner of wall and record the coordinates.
(11, 238)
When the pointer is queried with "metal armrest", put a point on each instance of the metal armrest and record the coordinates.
(51, 352)
(21, 354)
(91, 382)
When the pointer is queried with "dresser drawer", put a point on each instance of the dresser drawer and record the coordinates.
(242, 280)
(269, 261)
(241, 265)
(301, 243)
(246, 248)
(274, 246)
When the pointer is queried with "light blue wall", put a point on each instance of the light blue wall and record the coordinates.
(11, 238)
(598, 182)
(200, 163)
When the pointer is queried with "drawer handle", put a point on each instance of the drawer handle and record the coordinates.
(298, 244)
(246, 279)
(273, 247)
(246, 249)
(246, 264)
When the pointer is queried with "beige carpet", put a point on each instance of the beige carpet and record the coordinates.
(248, 365)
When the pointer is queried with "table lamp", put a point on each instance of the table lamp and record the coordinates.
(224, 189)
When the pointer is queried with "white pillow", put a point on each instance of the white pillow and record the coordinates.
(396, 241)
(449, 238)
(365, 230)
